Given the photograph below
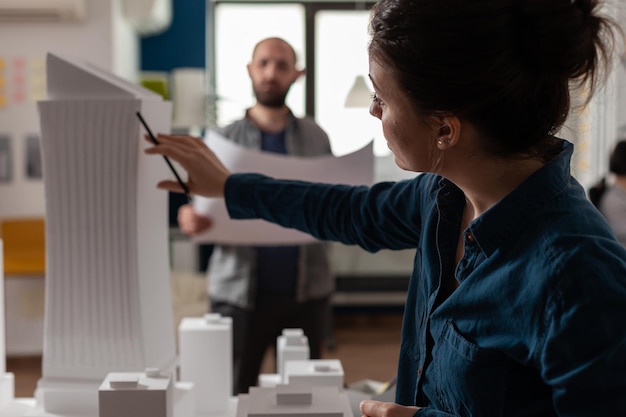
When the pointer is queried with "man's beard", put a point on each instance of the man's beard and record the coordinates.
(271, 99)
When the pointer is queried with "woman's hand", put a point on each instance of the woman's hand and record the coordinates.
(371, 408)
(206, 173)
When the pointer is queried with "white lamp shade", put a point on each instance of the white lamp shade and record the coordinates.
(359, 95)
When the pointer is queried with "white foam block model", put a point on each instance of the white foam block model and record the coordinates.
(206, 359)
(184, 400)
(269, 380)
(136, 394)
(292, 344)
(7, 389)
(316, 372)
(107, 270)
(294, 401)
(7, 383)
(184, 405)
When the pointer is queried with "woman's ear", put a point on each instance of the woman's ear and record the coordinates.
(448, 132)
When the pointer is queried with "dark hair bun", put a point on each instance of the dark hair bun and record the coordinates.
(559, 36)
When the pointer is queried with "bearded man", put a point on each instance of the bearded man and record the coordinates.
(269, 288)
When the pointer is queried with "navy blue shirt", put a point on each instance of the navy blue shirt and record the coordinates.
(277, 266)
(537, 325)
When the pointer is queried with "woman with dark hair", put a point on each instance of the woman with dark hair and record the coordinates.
(612, 204)
(518, 293)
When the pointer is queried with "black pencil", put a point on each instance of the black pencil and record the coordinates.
(156, 142)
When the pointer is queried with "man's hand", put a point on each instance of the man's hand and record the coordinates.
(190, 222)
(371, 408)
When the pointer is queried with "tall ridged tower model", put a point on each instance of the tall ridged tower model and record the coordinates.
(108, 301)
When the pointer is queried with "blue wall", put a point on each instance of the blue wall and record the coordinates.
(183, 44)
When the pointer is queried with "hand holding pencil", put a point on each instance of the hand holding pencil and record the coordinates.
(206, 173)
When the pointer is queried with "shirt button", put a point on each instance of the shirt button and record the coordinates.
(419, 371)
(469, 236)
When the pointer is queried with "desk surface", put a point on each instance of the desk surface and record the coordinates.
(18, 407)
(27, 407)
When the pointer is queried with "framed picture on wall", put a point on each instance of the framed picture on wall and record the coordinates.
(33, 157)
(6, 159)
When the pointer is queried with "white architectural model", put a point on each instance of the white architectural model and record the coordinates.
(291, 345)
(141, 394)
(206, 360)
(315, 372)
(107, 270)
(7, 385)
(107, 275)
(294, 401)
(296, 368)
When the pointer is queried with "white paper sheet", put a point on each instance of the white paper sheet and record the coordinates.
(356, 168)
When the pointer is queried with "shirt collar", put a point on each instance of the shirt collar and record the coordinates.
(499, 223)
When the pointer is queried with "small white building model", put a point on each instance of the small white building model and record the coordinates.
(141, 394)
(315, 372)
(291, 345)
(206, 360)
(294, 401)
(7, 385)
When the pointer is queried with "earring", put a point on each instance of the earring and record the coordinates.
(440, 142)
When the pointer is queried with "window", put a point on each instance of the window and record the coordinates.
(237, 28)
